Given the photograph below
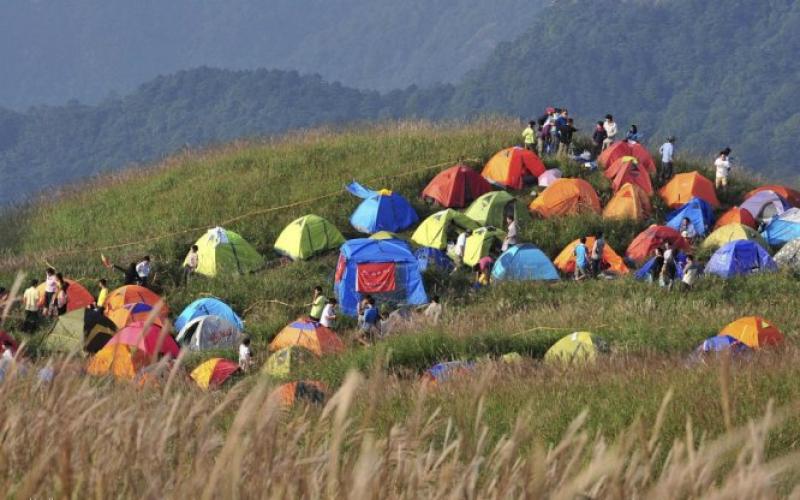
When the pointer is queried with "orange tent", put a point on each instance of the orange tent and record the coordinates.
(456, 187)
(627, 170)
(294, 392)
(754, 331)
(789, 194)
(737, 215)
(565, 261)
(624, 148)
(566, 197)
(133, 303)
(508, 167)
(643, 155)
(630, 202)
(78, 297)
(684, 187)
(309, 335)
(642, 247)
(119, 360)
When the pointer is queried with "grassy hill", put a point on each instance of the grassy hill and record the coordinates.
(256, 188)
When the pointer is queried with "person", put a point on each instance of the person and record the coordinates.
(529, 136)
(667, 151)
(598, 136)
(687, 230)
(102, 296)
(30, 300)
(460, 248)
(482, 276)
(610, 127)
(434, 309)
(565, 133)
(130, 275)
(544, 136)
(633, 134)
(8, 352)
(61, 300)
(511, 233)
(541, 135)
(723, 167)
(658, 265)
(361, 308)
(581, 262)
(598, 249)
(192, 261)
(670, 268)
(143, 271)
(485, 264)
(329, 314)
(317, 304)
(371, 325)
(245, 355)
(691, 272)
(50, 286)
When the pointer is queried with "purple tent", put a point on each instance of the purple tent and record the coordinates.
(764, 205)
(549, 177)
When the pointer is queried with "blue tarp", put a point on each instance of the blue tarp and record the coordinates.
(433, 258)
(738, 258)
(720, 343)
(381, 211)
(524, 262)
(783, 228)
(409, 288)
(208, 307)
(444, 371)
(643, 273)
(699, 212)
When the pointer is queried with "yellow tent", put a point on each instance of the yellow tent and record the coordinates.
(433, 232)
(480, 242)
(732, 232)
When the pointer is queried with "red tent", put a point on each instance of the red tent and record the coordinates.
(507, 168)
(624, 148)
(5, 337)
(456, 187)
(642, 247)
(628, 170)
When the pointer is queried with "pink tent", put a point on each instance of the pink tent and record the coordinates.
(549, 176)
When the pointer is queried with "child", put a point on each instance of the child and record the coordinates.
(143, 271)
(581, 262)
(245, 356)
(329, 314)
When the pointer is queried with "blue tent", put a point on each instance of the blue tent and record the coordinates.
(721, 343)
(699, 212)
(446, 370)
(524, 262)
(208, 307)
(433, 258)
(740, 257)
(643, 273)
(381, 210)
(783, 228)
(385, 269)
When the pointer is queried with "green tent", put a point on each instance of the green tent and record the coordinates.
(480, 242)
(308, 236)
(282, 363)
(225, 252)
(490, 209)
(82, 329)
(578, 347)
(433, 232)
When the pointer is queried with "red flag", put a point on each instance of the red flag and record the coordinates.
(377, 277)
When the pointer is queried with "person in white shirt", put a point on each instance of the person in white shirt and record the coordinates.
(50, 286)
(610, 127)
(245, 355)
(460, 248)
(687, 230)
(667, 151)
(143, 270)
(723, 167)
(691, 272)
(192, 261)
(434, 309)
(511, 234)
(329, 314)
(30, 299)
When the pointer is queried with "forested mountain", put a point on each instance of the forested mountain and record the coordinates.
(53, 51)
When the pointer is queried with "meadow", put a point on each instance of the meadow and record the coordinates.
(643, 421)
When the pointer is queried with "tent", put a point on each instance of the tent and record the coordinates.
(480, 243)
(442, 372)
(629, 202)
(6, 337)
(508, 167)
(387, 270)
(283, 362)
(737, 215)
(80, 330)
(78, 297)
(699, 213)
(642, 247)
(223, 252)
(789, 255)
(764, 205)
(732, 232)
(310, 335)
(684, 187)
(208, 306)
(308, 236)
(754, 331)
(492, 208)
(382, 210)
(130, 313)
(566, 197)
(549, 176)
(214, 372)
(524, 263)
(578, 347)
(611, 262)
(787, 193)
(386, 235)
(783, 228)
(304, 391)
(209, 332)
(134, 303)
(433, 258)
(152, 341)
(722, 343)
(456, 187)
(625, 148)
(119, 360)
(627, 170)
(434, 231)
(643, 273)
(740, 257)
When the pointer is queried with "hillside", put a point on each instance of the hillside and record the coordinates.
(57, 51)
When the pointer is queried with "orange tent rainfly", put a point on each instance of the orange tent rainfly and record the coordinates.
(566, 197)
(630, 202)
(508, 167)
(78, 297)
(456, 187)
(153, 340)
(294, 392)
(684, 187)
(214, 372)
(612, 262)
(737, 215)
(132, 303)
(309, 335)
(624, 148)
(642, 247)
(754, 331)
(627, 170)
(790, 195)
(119, 360)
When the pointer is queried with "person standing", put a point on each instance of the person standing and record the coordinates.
(691, 272)
(245, 355)
(667, 151)
(102, 296)
(565, 133)
(143, 271)
(50, 287)
(511, 233)
(317, 304)
(529, 136)
(61, 300)
(541, 137)
(581, 261)
(598, 249)
(723, 167)
(658, 266)
(434, 310)
(633, 134)
(670, 267)
(30, 299)
(598, 136)
(460, 248)
(610, 127)
(192, 261)
(329, 314)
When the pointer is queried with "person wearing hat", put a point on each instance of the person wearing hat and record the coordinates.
(667, 151)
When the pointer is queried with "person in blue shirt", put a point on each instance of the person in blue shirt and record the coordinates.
(371, 325)
(581, 261)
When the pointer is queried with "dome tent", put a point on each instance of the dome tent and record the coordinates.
(764, 205)
(738, 258)
(508, 167)
(699, 213)
(684, 187)
(80, 330)
(737, 215)
(223, 252)
(641, 248)
(433, 232)
(566, 197)
(578, 347)
(78, 297)
(209, 332)
(205, 307)
(491, 209)
(754, 332)
(783, 228)
(214, 372)
(630, 202)
(382, 210)
(456, 187)
(310, 335)
(524, 262)
(308, 236)
(565, 262)
(731, 232)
